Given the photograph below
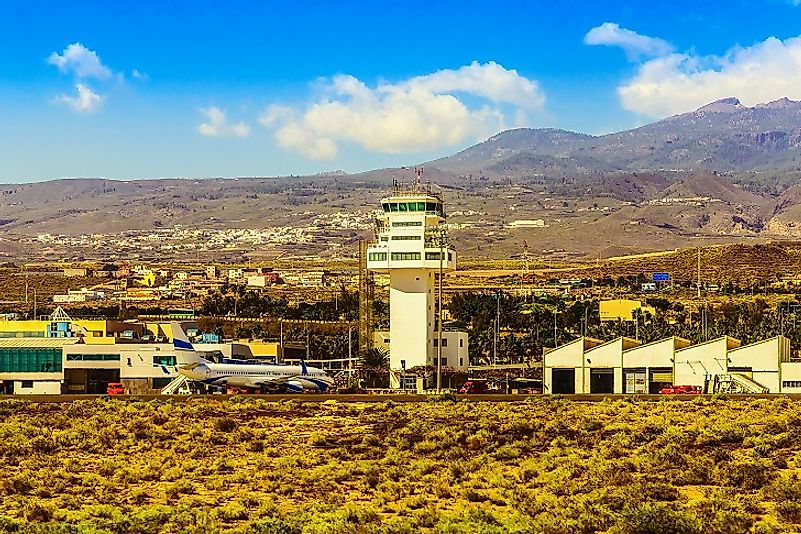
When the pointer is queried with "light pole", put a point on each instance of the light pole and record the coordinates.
(555, 342)
(441, 239)
(496, 328)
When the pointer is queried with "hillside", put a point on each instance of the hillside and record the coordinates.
(720, 174)
(721, 136)
(738, 263)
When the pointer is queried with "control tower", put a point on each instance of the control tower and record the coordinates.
(411, 245)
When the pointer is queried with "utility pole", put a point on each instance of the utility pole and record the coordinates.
(699, 272)
(365, 302)
(441, 236)
(496, 328)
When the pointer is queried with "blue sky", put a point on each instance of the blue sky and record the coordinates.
(241, 88)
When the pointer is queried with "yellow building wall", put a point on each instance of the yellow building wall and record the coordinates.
(260, 349)
(93, 328)
(8, 328)
(622, 309)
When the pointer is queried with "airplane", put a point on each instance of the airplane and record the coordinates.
(254, 376)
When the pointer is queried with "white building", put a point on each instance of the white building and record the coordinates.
(79, 295)
(258, 281)
(455, 353)
(623, 365)
(411, 246)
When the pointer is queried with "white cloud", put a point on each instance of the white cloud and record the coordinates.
(274, 114)
(293, 135)
(418, 114)
(87, 101)
(137, 75)
(489, 80)
(636, 45)
(217, 125)
(81, 61)
(677, 83)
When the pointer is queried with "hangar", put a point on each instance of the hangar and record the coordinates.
(624, 365)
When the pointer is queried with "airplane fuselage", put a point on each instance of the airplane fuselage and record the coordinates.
(256, 376)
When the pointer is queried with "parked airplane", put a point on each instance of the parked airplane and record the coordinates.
(263, 377)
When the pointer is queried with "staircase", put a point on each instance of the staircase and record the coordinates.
(175, 385)
(737, 383)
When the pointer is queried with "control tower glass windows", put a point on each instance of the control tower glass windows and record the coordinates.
(403, 256)
(435, 256)
(419, 207)
(406, 238)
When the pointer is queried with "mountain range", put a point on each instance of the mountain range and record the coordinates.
(724, 172)
(724, 136)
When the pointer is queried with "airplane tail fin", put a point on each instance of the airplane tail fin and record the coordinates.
(179, 339)
(303, 368)
(184, 349)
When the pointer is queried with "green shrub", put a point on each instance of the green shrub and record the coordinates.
(232, 511)
(789, 511)
(273, 525)
(441, 397)
(656, 518)
(224, 425)
(749, 474)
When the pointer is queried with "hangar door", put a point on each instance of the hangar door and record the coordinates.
(563, 381)
(635, 380)
(658, 378)
(602, 381)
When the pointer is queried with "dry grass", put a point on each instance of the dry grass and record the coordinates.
(549, 465)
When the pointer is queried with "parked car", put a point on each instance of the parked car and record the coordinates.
(682, 390)
(115, 388)
(475, 387)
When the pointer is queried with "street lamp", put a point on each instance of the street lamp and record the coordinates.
(496, 328)
(441, 237)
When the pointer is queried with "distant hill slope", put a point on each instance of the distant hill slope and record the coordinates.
(708, 185)
(721, 136)
(644, 189)
(509, 144)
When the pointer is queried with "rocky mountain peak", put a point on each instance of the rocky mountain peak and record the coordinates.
(782, 103)
(724, 105)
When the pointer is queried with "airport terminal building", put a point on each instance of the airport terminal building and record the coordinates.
(61, 355)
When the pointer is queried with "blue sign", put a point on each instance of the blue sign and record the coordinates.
(660, 277)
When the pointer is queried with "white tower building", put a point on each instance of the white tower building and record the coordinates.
(412, 247)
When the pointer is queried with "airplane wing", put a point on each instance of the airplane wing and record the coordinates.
(276, 381)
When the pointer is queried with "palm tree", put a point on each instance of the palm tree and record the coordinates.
(375, 367)
(376, 358)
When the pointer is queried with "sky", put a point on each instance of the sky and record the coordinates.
(148, 89)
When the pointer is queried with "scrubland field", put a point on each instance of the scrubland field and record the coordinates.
(542, 466)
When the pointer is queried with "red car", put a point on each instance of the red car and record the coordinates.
(474, 386)
(115, 388)
(682, 390)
